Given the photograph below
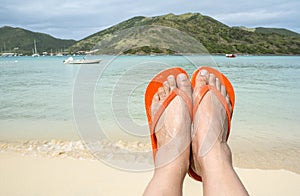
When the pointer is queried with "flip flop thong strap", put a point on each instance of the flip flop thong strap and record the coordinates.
(175, 92)
(205, 89)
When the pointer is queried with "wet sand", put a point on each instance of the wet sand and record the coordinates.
(246, 154)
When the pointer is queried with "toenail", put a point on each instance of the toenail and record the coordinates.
(203, 72)
(181, 76)
(171, 76)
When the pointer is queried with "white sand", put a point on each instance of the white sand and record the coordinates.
(65, 176)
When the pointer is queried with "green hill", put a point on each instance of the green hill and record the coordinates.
(19, 40)
(278, 31)
(198, 29)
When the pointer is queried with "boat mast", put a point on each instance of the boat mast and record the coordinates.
(35, 50)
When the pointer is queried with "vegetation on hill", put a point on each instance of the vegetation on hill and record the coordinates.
(212, 34)
(18, 40)
(148, 39)
(167, 34)
(279, 31)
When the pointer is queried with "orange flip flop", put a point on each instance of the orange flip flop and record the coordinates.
(229, 89)
(152, 88)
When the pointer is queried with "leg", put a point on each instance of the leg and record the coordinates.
(173, 138)
(211, 156)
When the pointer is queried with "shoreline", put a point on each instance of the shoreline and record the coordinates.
(66, 176)
(166, 55)
(137, 152)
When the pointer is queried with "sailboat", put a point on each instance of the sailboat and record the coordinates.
(35, 54)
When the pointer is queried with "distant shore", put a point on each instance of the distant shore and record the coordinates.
(7, 56)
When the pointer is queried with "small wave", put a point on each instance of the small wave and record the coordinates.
(78, 149)
(137, 152)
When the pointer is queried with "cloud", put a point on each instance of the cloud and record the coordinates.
(77, 19)
(275, 13)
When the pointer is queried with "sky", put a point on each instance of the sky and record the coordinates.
(77, 19)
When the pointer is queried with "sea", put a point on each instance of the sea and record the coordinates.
(48, 108)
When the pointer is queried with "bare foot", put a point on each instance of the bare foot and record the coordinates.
(211, 156)
(173, 128)
(173, 134)
(210, 125)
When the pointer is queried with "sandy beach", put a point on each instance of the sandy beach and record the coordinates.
(29, 175)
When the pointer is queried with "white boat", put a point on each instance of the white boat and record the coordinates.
(8, 54)
(70, 60)
(230, 55)
(35, 54)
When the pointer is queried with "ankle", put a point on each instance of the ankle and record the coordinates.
(176, 169)
(219, 158)
(179, 164)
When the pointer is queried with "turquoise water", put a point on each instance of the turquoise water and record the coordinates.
(43, 99)
(39, 91)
